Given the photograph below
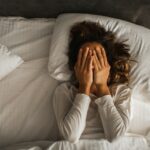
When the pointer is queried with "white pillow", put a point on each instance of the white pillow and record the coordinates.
(28, 38)
(138, 40)
(139, 49)
(8, 61)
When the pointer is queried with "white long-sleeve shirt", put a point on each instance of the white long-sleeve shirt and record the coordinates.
(80, 116)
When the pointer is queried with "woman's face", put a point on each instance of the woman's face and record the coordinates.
(92, 46)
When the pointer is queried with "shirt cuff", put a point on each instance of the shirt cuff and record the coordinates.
(104, 100)
(82, 100)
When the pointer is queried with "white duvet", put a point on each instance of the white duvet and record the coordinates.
(124, 143)
(26, 115)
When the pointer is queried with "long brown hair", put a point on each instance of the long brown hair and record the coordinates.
(117, 53)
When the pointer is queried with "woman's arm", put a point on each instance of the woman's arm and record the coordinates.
(70, 116)
(115, 116)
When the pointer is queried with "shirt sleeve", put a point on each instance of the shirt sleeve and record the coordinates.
(70, 115)
(115, 116)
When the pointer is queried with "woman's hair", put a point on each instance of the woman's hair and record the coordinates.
(117, 52)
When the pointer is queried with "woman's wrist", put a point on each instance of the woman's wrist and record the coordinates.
(84, 89)
(102, 90)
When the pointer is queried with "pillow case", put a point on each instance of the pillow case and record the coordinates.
(138, 40)
(8, 61)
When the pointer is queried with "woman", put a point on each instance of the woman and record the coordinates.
(96, 103)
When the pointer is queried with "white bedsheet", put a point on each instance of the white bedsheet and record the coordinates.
(25, 94)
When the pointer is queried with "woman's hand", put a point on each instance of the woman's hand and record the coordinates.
(83, 70)
(101, 72)
(101, 67)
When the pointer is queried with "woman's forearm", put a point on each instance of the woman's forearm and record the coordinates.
(74, 122)
(102, 90)
(115, 116)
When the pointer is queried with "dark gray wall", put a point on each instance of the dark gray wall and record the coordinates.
(137, 11)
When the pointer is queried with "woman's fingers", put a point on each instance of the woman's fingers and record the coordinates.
(87, 63)
(104, 56)
(97, 61)
(84, 58)
(100, 56)
(90, 63)
(78, 62)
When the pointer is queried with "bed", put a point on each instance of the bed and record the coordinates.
(26, 113)
(27, 119)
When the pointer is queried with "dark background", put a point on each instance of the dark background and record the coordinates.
(136, 11)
